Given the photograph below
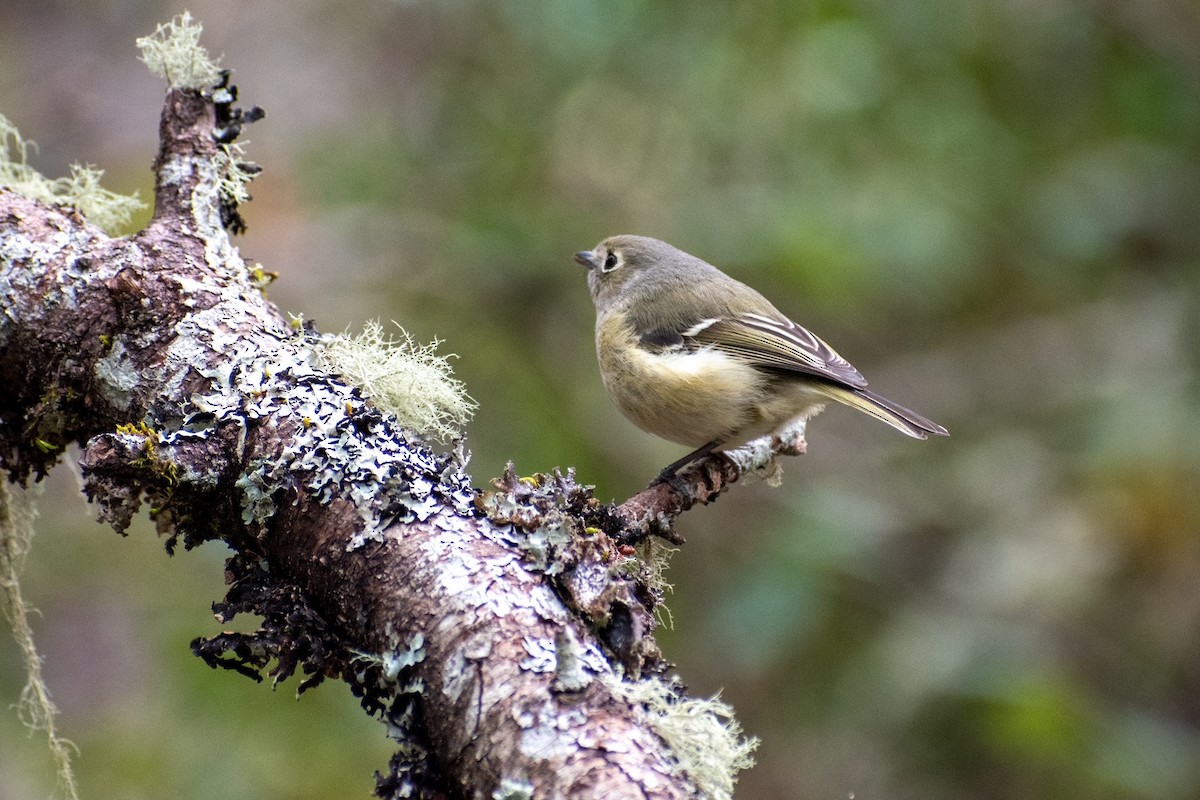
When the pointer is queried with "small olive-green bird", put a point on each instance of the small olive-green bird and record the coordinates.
(693, 356)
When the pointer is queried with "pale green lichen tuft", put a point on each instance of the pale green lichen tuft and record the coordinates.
(513, 789)
(405, 379)
(702, 733)
(81, 190)
(173, 52)
(657, 555)
(235, 177)
(391, 664)
(36, 709)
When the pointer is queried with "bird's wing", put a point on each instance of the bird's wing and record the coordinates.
(772, 342)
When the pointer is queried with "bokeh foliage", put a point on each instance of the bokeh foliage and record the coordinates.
(990, 207)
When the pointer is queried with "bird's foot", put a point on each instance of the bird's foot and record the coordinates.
(681, 487)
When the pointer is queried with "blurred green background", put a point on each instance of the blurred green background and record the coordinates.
(991, 208)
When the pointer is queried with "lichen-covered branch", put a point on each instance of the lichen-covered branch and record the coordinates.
(497, 635)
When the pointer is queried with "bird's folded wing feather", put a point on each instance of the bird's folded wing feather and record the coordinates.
(776, 343)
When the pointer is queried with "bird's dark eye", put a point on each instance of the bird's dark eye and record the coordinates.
(610, 261)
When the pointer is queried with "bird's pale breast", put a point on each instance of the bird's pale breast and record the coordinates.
(693, 397)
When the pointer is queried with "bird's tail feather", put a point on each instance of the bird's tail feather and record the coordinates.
(899, 417)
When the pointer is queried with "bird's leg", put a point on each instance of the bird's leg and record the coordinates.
(671, 469)
(670, 473)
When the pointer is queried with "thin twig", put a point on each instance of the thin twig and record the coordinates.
(652, 511)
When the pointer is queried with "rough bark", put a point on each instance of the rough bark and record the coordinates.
(491, 631)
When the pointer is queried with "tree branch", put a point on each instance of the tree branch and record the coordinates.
(489, 631)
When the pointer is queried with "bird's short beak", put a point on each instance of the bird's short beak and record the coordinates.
(586, 258)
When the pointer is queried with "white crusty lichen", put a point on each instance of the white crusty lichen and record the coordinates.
(410, 381)
(759, 455)
(173, 52)
(570, 674)
(702, 733)
(81, 190)
(116, 375)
